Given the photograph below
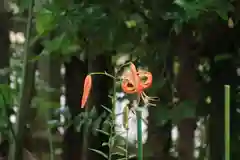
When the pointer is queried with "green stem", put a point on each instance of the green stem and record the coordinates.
(111, 140)
(50, 140)
(103, 73)
(126, 154)
(139, 133)
(113, 113)
(85, 136)
(114, 99)
(227, 122)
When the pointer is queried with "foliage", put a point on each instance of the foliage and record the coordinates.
(148, 31)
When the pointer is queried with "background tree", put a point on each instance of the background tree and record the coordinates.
(190, 47)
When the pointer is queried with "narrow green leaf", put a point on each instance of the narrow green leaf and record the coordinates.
(103, 132)
(118, 153)
(129, 157)
(222, 57)
(107, 109)
(104, 144)
(122, 149)
(99, 152)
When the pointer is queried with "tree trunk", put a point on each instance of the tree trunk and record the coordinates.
(99, 97)
(76, 71)
(49, 94)
(187, 89)
(4, 62)
(159, 137)
(4, 44)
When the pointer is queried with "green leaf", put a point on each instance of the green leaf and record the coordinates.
(53, 123)
(103, 132)
(96, 124)
(223, 8)
(93, 112)
(107, 109)
(6, 95)
(131, 23)
(118, 153)
(99, 152)
(72, 48)
(222, 57)
(122, 148)
(23, 4)
(45, 21)
(129, 157)
(55, 44)
(104, 144)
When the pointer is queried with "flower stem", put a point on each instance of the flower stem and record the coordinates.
(227, 122)
(103, 73)
(113, 113)
(126, 154)
(139, 133)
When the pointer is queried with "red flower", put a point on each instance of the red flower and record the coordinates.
(86, 90)
(136, 82)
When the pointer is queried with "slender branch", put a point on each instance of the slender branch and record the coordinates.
(16, 149)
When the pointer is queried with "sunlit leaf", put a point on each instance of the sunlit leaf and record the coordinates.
(131, 23)
(44, 21)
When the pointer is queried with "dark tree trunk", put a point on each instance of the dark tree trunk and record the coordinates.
(4, 62)
(76, 71)
(187, 89)
(159, 137)
(4, 45)
(100, 97)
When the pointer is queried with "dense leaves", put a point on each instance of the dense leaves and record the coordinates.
(163, 36)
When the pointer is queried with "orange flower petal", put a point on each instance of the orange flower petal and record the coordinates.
(128, 87)
(135, 77)
(86, 90)
(148, 82)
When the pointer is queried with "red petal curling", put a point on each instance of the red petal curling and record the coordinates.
(86, 90)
